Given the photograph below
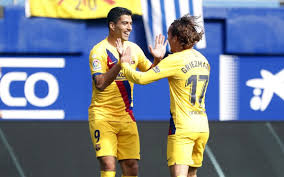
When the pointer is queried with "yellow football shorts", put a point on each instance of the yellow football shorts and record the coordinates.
(186, 148)
(119, 139)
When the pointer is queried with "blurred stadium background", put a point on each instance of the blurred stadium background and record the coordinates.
(244, 44)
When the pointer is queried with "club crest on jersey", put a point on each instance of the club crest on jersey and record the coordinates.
(97, 65)
(98, 147)
(156, 69)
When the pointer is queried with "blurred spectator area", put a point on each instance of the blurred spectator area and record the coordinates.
(207, 3)
(242, 3)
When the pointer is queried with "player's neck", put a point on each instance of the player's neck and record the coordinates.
(180, 48)
(112, 40)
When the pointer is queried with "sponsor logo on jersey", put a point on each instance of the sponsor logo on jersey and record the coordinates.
(111, 63)
(120, 76)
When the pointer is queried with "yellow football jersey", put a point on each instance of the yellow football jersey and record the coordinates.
(115, 103)
(188, 75)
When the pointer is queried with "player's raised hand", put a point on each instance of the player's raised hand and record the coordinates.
(159, 50)
(126, 56)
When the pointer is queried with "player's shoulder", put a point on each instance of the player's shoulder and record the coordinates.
(198, 54)
(99, 47)
(170, 60)
(182, 57)
(174, 57)
(132, 45)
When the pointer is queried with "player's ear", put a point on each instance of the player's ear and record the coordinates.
(112, 26)
(175, 38)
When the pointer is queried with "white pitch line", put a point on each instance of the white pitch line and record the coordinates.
(33, 114)
(214, 161)
(12, 154)
(275, 135)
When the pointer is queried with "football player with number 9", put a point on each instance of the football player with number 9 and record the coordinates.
(112, 124)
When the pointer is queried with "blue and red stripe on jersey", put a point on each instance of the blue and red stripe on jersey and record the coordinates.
(123, 86)
(125, 90)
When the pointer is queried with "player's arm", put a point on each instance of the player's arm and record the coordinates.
(138, 77)
(158, 72)
(100, 75)
(103, 80)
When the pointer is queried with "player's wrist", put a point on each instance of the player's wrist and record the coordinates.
(156, 61)
(124, 64)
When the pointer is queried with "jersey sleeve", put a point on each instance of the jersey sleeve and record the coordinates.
(97, 63)
(166, 68)
(144, 63)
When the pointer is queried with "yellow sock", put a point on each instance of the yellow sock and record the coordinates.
(107, 173)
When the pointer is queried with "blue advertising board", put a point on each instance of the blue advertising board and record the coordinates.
(251, 87)
(44, 88)
(261, 85)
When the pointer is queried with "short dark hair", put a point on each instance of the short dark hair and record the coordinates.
(115, 13)
(185, 28)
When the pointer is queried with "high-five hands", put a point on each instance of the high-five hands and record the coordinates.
(119, 46)
(125, 54)
(159, 50)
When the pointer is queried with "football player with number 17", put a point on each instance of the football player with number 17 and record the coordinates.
(188, 72)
